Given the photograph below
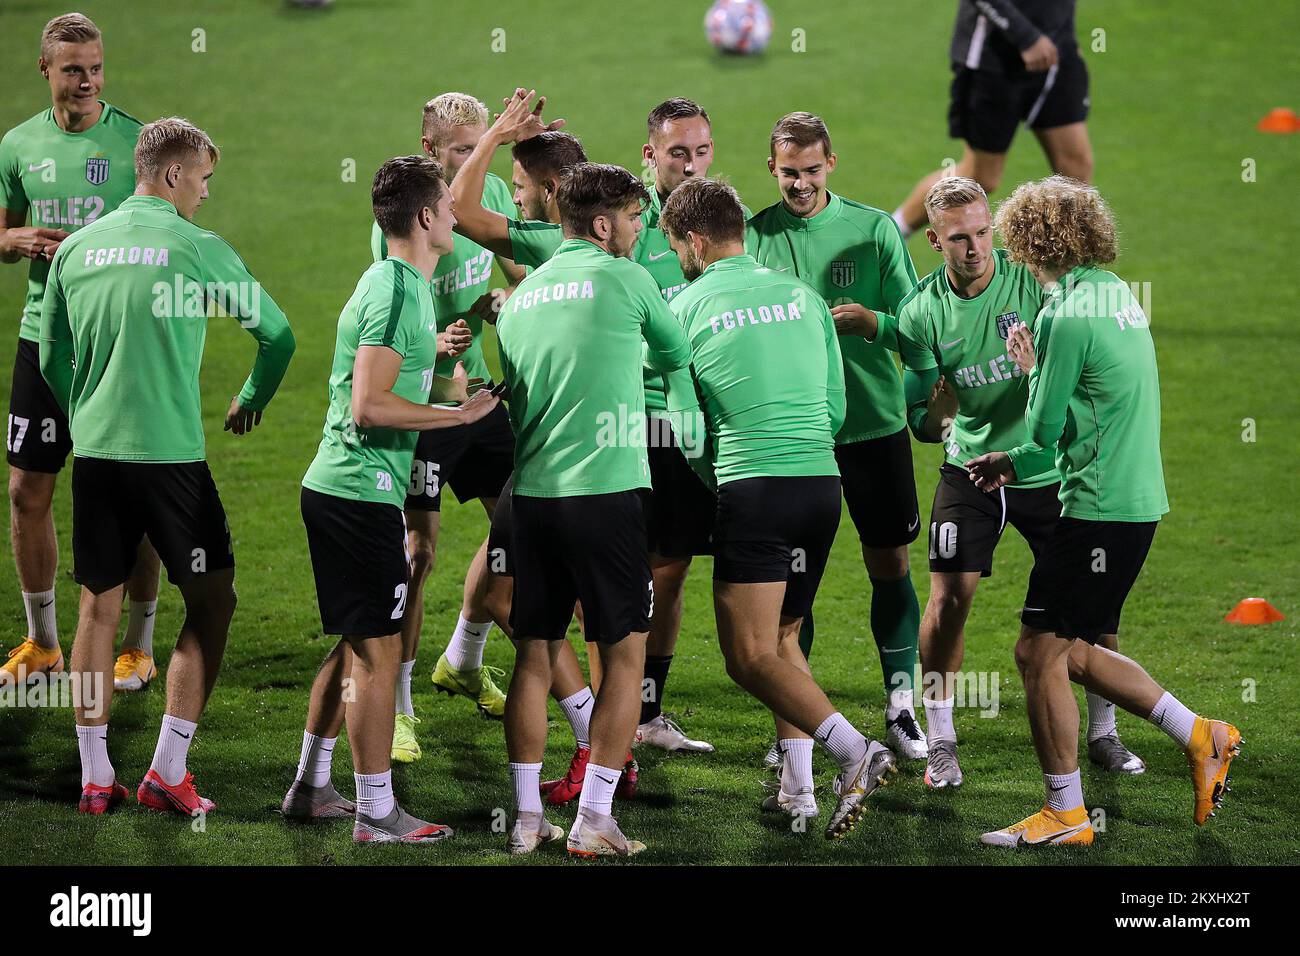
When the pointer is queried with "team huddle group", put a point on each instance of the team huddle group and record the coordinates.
(748, 361)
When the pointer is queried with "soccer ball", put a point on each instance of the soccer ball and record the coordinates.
(738, 26)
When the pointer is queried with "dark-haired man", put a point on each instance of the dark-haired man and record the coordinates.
(767, 373)
(572, 339)
(380, 387)
(855, 258)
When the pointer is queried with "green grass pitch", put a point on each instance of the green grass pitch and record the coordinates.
(292, 96)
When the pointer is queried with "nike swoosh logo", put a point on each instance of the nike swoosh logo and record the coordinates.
(1215, 744)
(1060, 788)
(915, 521)
(894, 650)
(947, 345)
(1035, 608)
(179, 734)
(36, 169)
(1055, 836)
(655, 258)
(150, 613)
(582, 705)
(46, 604)
(324, 751)
(599, 777)
(379, 786)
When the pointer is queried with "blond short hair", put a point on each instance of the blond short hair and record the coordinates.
(451, 109)
(164, 141)
(953, 192)
(68, 28)
(1056, 224)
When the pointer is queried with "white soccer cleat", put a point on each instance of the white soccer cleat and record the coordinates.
(904, 736)
(664, 733)
(596, 835)
(942, 769)
(530, 831)
(854, 787)
(800, 804)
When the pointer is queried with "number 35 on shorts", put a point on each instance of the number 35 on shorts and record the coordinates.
(424, 478)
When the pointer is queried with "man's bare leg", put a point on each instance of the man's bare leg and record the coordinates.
(1068, 150)
(312, 795)
(942, 647)
(92, 672)
(36, 556)
(983, 167)
(668, 576)
(135, 666)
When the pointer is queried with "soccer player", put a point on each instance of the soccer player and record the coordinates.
(541, 154)
(679, 148)
(766, 369)
(123, 323)
(69, 165)
(474, 461)
(382, 379)
(572, 339)
(963, 392)
(1013, 61)
(1094, 396)
(855, 259)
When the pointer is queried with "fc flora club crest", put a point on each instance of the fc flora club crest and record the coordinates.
(96, 171)
(1005, 321)
(844, 272)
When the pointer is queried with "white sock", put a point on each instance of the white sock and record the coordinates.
(938, 720)
(96, 768)
(577, 707)
(796, 771)
(843, 740)
(375, 794)
(901, 222)
(1101, 716)
(1064, 790)
(139, 626)
(41, 626)
(174, 739)
(598, 789)
(528, 780)
(404, 705)
(465, 649)
(316, 758)
(899, 701)
(1173, 718)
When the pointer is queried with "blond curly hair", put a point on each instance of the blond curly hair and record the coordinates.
(1056, 224)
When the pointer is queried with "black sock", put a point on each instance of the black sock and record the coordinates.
(652, 688)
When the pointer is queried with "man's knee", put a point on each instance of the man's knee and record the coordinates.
(423, 551)
(886, 564)
(30, 492)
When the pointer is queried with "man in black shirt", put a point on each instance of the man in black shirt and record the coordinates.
(1013, 61)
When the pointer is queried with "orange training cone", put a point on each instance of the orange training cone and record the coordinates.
(1254, 611)
(1279, 120)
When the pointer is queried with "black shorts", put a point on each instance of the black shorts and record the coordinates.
(38, 437)
(985, 108)
(966, 523)
(679, 519)
(475, 459)
(777, 529)
(498, 555)
(359, 559)
(1080, 581)
(588, 548)
(880, 489)
(115, 504)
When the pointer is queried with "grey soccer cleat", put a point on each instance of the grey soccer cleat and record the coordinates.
(941, 768)
(305, 802)
(398, 827)
(775, 759)
(1112, 756)
(664, 732)
(855, 786)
